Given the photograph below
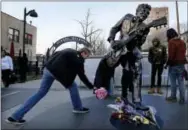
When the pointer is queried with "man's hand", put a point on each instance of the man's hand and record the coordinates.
(95, 88)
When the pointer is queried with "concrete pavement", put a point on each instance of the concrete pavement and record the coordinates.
(54, 111)
(17, 94)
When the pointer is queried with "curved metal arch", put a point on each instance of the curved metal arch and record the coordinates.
(69, 39)
(64, 40)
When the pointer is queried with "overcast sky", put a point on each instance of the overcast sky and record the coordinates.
(57, 19)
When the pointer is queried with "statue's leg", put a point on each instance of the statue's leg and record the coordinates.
(137, 98)
(136, 91)
(140, 86)
(125, 82)
(140, 80)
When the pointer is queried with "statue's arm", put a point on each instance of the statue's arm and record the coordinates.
(115, 29)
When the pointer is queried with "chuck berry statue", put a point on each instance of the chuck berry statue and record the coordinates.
(127, 52)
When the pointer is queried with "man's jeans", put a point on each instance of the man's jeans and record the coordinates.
(176, 74)
(46, 83)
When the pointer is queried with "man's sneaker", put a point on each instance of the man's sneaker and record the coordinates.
(181, 101)
(84, 110)
(16, 122)
(171, 99)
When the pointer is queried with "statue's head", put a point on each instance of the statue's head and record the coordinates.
(143, 11)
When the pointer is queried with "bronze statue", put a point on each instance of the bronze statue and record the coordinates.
(133, 33)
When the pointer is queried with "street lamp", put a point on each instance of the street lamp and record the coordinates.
(177, 16)
(31, 13)
(187, 16)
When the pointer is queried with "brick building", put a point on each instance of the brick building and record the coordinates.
(12, 31)
(157, 12)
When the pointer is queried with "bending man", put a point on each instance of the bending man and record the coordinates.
(62, 66)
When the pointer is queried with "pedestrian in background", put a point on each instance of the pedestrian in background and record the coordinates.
(157, 57)
(176, 62)
(6, 68)
(23, 65)
(36, 68)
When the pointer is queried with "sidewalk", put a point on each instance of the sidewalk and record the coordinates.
(55, 112)
(51, 111)
(52, 100)
(34, 84)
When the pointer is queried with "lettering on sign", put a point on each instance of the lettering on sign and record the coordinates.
(71, 39)
(68, 39)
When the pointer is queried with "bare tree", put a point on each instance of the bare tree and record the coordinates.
(102, 48)
(99, 47)
(89, 32)
(183, 27)
(87, 27)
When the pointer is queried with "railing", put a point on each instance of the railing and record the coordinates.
(92, 63)
(31, 67)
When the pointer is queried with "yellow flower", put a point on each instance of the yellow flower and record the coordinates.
(145, 121)
(121, 112)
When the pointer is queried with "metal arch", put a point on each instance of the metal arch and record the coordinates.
(64, 40)
(69, 39)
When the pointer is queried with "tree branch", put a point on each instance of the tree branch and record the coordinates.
(93, 32)
(84, 34)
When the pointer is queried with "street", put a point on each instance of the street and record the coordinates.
(54, 111)
(16, 94)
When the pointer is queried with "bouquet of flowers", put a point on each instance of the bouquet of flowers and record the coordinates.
(101, 93)
(127, 113)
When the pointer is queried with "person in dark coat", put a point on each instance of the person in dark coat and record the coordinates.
(104, 74)
(19, 61)
(63, 66)
(36, 68)
(157, 57)
(23, 67)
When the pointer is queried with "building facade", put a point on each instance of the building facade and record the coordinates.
(155, 13)
(158, 12)
(12, 31)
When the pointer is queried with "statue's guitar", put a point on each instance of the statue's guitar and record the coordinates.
(119, 46)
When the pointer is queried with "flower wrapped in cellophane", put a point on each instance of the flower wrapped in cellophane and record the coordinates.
(101, 93)
(126, 114)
